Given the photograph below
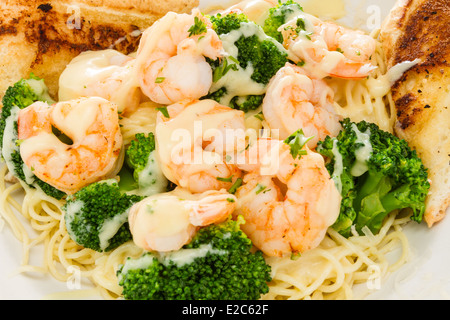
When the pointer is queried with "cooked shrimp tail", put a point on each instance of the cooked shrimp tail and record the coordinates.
(294, 100)
(171, 58)
(289, 210)
(168, 221)
(95, 152)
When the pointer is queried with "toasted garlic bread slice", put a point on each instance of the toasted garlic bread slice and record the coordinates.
(419, 29)
(42, 36)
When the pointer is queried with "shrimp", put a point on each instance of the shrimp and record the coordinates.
(256, 10)
(95, 152)
(105, 73)
(171, 60)
(287, 211)
(167, 221)
(196, 142)
(296, 101)
(328, 49)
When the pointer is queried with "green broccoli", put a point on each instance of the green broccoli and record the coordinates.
(22, 94)
(217, 264)
(252, 55)
(377, 173)
(280, 15)
(141, 159)
(19, 96)
(96, 216)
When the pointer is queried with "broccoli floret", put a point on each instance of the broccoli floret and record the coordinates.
(278, 16)
(251, 54)
(141, 158)
(22, 94)
(377, 173)
(216, 265)
(19, 96)
(247, 103)
(225, 23)
(96, 217)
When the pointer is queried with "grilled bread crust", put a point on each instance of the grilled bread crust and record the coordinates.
(420, 29)
(43, 36)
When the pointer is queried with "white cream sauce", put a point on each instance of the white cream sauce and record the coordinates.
(238, 82)
(256, 10)
(180, 257)
(363, 153)
(162, 215)
(9, 143)
(187, 256)
(338, 166)
(87, 74)
(151, 179)
(380, 86)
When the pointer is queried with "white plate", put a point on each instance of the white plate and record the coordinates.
(426, 276)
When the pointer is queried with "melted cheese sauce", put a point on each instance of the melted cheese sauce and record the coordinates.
(187, 256)
(338, 166)
(256, 10)
(380, 86)
(74, 124)
(109, 227)
(304, 46)
(9, 145)
(151, 179)
(238, 82)
(363, 153)
(334, 9)
(180, 258)
(162, 220)
(86, 68)
(49, 142)
(88, 73)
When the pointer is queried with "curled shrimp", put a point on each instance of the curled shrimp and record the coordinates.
(167, 221)
(256, 10)
(194, 140)
(288, 210)
(328, 49)
(171, 58)
(95, 152)
(296, 101)
(105, 73)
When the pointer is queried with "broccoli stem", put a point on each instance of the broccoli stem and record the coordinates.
(376, 199)
(372, 214)
(393, 200)
(368, 184)
(368, 201)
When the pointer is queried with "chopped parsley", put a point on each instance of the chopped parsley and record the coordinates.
(223, 69)
(199, 27)
(301, 25)
(229, 179)
(297, 141)
(260, 189)
(235, 186)
(164, 111)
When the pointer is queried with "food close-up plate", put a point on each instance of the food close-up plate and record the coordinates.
(423, 252)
